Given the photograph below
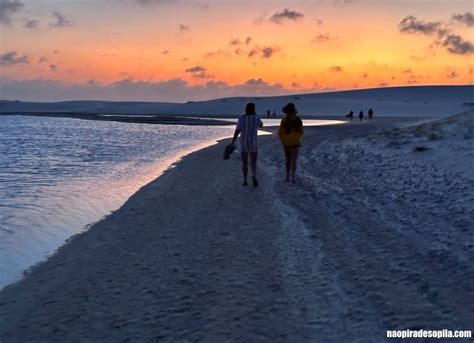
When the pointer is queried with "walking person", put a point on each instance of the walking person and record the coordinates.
(350, 115)
(371, 114)
(361, 115)
(290, 132)
(247, 126)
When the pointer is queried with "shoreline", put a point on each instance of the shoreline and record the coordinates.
(193, 255)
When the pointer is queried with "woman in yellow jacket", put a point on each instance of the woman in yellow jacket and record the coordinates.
(291, 131)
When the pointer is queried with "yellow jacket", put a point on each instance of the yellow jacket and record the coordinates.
(291, 131)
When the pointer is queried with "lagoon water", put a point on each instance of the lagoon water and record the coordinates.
(57, 175)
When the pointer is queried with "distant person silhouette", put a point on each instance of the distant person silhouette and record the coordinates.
(274, 113)
(268, 113)
(361, 115)
(247, 126)
(290, 133)
(350, 115)
(371, 114)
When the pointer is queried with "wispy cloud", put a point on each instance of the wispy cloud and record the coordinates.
(13, 57)
(184, 28)
(323, 38)
(31, 24)
(60, 20)
(7, 8)
(336, 69)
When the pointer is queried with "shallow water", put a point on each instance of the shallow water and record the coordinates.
(57, 175)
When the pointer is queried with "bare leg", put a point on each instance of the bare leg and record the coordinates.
(294, 158)
(245, 166)
(288, 162)
(253, 167)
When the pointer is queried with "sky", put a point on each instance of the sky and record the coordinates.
(182, 50)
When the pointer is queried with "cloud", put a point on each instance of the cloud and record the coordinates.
(165, 52)
(323, 38)
(42, 59)
(248, 40)
(235, 41)
(264, 52)
(466, 18)
(203, 5)
(12, 57)
(31, 24)
(195, 69)
(184, 28)
(53, 67)
(60, 20)
(454, 43)
(336, 69)
(412, 25)
(457, 45)
(452, 74)
(7, 8)
(177, 90)
(285, 15)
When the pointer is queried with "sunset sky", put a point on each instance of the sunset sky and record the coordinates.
(179, 50)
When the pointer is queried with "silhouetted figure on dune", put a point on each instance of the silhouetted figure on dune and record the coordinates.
(350, 115)
(361, 115)
(371, 114)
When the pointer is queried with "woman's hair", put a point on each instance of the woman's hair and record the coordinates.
(250, 108)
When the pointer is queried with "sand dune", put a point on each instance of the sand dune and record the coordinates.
(397, 101)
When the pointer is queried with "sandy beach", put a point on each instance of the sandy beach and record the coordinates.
(342, 255)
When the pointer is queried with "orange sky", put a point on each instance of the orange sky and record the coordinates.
(300, 45)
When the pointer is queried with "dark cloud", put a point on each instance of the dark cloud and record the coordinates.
(411, 24)
(263, 52)
(195, 69)
(457, 45)
(12, 57)
(285, 15)
(53, 67)
(60, 20)
(31, 24)
(466, 18)
(165, 52)
(248, 40)
(336, 69)
(7, 8)
(184, 28)
(454, 43)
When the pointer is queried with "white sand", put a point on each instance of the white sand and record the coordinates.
(345, 254)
